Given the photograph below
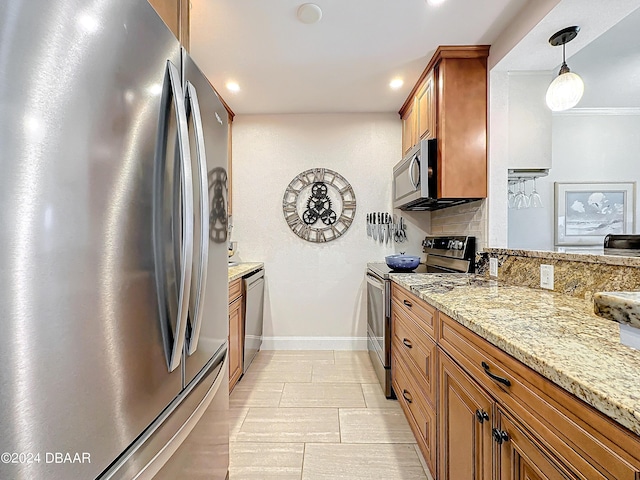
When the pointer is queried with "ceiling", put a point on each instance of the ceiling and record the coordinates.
(606, 53)
(610, 66)
(343, 63)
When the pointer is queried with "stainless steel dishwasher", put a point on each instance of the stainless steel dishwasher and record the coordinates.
(254, 308)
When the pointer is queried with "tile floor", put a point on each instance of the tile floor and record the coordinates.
(307, 415)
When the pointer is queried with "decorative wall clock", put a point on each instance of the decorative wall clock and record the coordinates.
(319, 205)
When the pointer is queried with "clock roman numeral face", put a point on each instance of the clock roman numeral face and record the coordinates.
(319, 205)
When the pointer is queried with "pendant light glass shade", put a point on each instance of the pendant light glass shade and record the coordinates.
(565, 92)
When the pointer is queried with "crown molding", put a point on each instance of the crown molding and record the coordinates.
(582, 112)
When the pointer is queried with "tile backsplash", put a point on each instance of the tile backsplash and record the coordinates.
(466, 219)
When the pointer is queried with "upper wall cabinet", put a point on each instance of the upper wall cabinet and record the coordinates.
(175, 14)
(449, 103)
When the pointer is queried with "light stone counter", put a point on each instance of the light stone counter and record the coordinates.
(243, 269)
(556, 335)
(622, 307)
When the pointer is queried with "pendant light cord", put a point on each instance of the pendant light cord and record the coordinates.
(564, 68)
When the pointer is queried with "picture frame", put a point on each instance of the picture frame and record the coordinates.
(586, 212)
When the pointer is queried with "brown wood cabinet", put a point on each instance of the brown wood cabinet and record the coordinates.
(520, 457)
(413, 368)
(497, 418)
(464, 426)
(409, 128)
(175, 13)
(426, 111)
(236, 331)
(449, 103)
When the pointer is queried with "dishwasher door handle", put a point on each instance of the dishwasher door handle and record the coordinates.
(254, 278)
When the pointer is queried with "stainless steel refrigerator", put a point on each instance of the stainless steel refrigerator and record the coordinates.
(113, 262)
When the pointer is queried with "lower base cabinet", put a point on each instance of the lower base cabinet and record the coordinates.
(236, 332)
(421, 415)
(519, 456)
(496, 417)
(474, 430)
(465, 412)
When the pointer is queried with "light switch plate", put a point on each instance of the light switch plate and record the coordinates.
(546, 276)
(493, 267)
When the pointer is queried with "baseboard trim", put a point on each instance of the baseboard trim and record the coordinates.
(314, 343)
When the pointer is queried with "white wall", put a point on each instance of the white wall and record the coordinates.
(585, 148)
(315, 295)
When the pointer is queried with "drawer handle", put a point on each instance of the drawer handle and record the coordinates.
(407, 303)
(482, 416)
(407, 396)
(504, 381)
(499, 436)
(407, 343)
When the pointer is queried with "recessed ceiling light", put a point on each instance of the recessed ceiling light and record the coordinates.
(396, 83)
(435, 3)
(309, 13)
(233, 87)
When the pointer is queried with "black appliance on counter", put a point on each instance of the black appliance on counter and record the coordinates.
(454, 254)
(623, 245)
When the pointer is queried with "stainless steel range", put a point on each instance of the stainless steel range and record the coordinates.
(454, 254)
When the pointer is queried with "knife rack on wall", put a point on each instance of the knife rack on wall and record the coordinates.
(383, 227)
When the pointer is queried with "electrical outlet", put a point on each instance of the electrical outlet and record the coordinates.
(493, 267)
(546, 276)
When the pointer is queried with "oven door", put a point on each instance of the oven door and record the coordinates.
(378, 314)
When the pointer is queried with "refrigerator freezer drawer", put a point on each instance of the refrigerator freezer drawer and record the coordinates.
(190, 441)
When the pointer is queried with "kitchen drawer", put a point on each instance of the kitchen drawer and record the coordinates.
(235, 289)
(593, 444)
(418, 352)
(421, 312)
(421, 416)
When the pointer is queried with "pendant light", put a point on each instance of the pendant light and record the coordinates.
(566, 90)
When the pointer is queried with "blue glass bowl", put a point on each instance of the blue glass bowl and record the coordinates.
(402, 262)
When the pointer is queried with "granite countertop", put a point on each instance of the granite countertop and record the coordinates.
(243, 269)
(556, 335)
(622, 307)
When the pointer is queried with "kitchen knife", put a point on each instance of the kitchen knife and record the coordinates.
(374, 229)
(368, 227)
(384, 226)
(381, 232)
(388, 228)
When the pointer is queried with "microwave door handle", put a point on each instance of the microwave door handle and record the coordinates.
(415, 183)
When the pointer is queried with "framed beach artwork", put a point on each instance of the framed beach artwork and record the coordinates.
(586, 212)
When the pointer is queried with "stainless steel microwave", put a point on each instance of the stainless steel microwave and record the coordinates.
(415, 179)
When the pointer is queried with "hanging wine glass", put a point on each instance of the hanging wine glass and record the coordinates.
(521, 200)
(511, 195)
(535, 201)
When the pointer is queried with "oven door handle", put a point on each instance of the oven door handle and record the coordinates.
(373, 281)
(384, 287)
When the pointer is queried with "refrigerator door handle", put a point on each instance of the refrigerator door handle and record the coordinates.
(192, 98)
(186, 254)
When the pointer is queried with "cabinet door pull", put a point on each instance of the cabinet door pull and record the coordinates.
(407, 343)
(407, 396)
(499, 436)
(482, 416)
(407, 303)
(504, 381)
